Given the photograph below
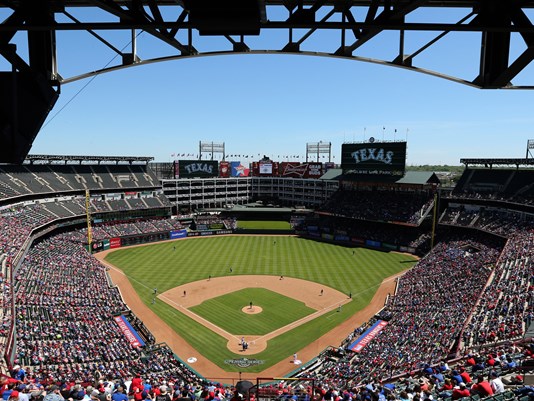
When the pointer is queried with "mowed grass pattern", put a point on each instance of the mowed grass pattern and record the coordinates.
(263, 225)
(278, 311)
(167, 265)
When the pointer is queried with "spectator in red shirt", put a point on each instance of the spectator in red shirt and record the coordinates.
(482, 387)
(460, 391)
(465, 376)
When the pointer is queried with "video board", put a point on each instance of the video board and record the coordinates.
(373, 160)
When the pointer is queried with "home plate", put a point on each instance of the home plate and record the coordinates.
(191, 360)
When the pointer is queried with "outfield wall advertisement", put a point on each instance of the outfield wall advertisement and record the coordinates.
(373, 161)
(177, 234)
(207, 233)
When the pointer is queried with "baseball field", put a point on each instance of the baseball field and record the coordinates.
(281, 293)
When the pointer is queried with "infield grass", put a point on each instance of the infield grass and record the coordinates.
(356, 270)
(278, 311)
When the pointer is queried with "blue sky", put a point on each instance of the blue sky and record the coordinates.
(274, 104)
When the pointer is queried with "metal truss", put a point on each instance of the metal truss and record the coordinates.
(398, 33)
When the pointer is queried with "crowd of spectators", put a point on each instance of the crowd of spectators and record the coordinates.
(505, 310)
(114, 229)
(207, 221)
(497, 221)
(16, 225)
(496, 374)
(401, 206)
(64, 319)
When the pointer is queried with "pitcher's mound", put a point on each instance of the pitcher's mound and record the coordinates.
(252, 311)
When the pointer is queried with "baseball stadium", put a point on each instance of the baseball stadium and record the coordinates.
(233, 277)
(306, 274)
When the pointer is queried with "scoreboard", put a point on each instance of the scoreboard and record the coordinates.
(373, 161)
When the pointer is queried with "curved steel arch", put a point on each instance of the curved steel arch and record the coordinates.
(267, 52)
(184, 24)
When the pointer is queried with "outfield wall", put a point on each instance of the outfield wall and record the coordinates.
(356, 242)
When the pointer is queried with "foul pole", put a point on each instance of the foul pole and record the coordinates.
(88, 217)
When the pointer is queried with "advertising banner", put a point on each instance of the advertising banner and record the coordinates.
(255, 169)
(130, 195)
(328, 166)
(373, 161)
(216, 226)
(198, 168)
(369, 242)
(389, 246)
(367, 336)
(111, 196)
(193, 233)
(129, 332)
(329, 237)
(341, 238)
(238, 170)
(176, 169)
(314, 234)
(221, 232)
(357, 240)
(266, 169)
(300, 170)
(115, 243)
(97, 246)
(106, 244)
(224, 169)
(178, 234)
(315, 170)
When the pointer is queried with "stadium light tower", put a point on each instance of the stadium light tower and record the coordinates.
(530, 146)
(317, 149)
(211, 148)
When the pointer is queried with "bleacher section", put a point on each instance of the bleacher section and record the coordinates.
(30, 179)
(511, 184)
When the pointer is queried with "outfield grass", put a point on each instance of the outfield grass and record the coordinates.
(278, 311)
(263, 225)
(356, 270)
